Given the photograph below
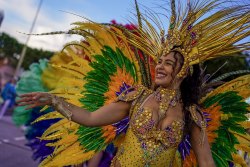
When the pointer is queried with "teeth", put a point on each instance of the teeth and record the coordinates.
(161, 75)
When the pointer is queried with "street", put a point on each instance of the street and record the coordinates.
(13, 151)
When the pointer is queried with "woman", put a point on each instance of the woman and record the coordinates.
(159, 118)
(166, 70)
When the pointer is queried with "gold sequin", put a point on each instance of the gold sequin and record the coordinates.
(144, 144)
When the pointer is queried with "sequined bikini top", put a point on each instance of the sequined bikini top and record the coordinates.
(152, 142)
(144, 127)
(142, 93)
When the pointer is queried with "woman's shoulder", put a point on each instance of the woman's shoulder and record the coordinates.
(132, 93)
(197, 115)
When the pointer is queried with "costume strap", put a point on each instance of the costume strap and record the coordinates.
(200, 122)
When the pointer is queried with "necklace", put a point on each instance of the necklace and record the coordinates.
(167, 98)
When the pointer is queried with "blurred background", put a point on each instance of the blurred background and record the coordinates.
(18, 51)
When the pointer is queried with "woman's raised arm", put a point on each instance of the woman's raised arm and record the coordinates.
(105, 115)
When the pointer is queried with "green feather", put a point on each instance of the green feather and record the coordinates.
(31, 81)
(97, 84)
(224, 145)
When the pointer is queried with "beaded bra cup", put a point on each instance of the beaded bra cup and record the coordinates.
(145, 129)
(154, 141)
(150, 140)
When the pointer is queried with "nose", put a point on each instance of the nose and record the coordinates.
(159, 66)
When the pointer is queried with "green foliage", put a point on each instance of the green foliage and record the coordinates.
(10, 47)
(235, 62)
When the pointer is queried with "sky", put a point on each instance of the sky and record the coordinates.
(19, 15)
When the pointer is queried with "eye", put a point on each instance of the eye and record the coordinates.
(168, 63)
(159, 62)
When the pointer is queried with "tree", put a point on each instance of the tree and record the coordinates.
(235, 62)
(11, 48)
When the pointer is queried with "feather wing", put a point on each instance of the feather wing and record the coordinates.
(225, 109)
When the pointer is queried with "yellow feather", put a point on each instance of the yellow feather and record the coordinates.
(68, 156)
(245, 124)
(240, 85)
(68, 139)
(237, 159)
(57, 127)
(243, 139)
(50, 115)
(243, 147)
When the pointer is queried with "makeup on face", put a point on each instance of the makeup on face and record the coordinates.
(164, 70)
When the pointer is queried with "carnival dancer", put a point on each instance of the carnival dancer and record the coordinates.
(159, 117)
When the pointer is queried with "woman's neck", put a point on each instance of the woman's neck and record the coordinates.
(171, 87)
(174, 84)
(167, 98)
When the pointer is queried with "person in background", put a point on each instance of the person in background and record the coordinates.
(8, 95)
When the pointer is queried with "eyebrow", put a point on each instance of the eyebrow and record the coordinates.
(168, 60)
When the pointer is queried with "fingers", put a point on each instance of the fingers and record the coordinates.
(36, 96)
(32, 104)
(28, 94)
(30, 97)
(24, 99)
(34, 99)
(26, 103)
(35, 105)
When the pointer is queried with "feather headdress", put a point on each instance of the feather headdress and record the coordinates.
(194, 32)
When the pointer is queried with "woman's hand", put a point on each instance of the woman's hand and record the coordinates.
(103, 116)
(35, 99)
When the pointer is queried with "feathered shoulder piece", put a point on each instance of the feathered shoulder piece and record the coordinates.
(197, 116)
(131, 93)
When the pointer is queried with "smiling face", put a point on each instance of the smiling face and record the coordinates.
(167, 68)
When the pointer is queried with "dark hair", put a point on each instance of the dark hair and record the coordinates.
(190, 89)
